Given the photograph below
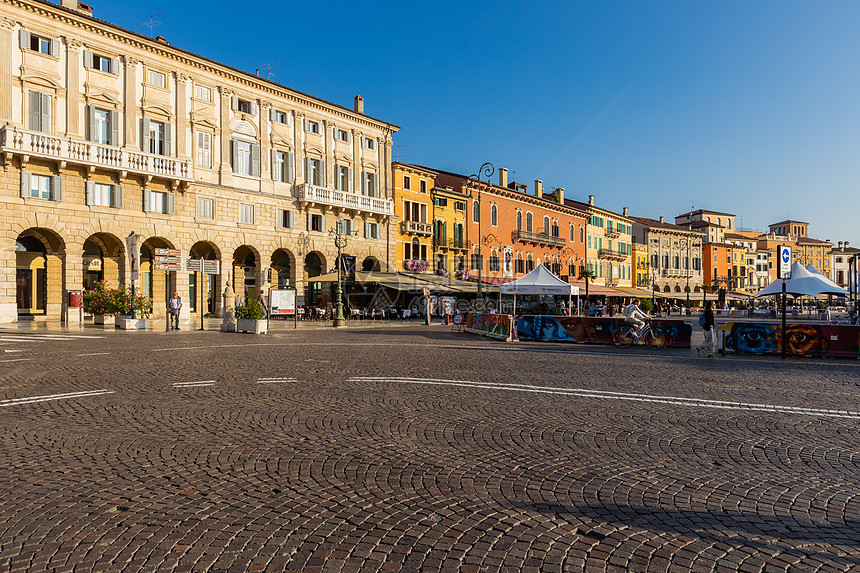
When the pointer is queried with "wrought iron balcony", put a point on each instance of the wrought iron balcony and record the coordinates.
(14, 140)
(611, 232)
(611, 254)
(416, 228)
(316, 195)
(443, 243)
(537, 238)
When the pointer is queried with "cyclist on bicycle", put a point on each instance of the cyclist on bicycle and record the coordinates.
(634, 315)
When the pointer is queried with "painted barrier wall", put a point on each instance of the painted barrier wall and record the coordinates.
(493, 325)
(585, 329)
(801, 339)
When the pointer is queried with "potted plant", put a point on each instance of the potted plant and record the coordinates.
(142, 308)
(250, 317)
(100, 301)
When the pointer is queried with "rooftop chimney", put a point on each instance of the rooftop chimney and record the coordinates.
(162, 40)
(625, 211)
(559, 195)
(77, 6)
(359, 104)
(591, 199)
(538, 188)
(661, 218)
(840, 245)
(503, 177)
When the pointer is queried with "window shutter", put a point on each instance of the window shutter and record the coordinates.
(147, 201)
(271, 114)
(367, 230)
(91, 189)
(322, 173)
(91, 115)
(280, 221)
(255, 160)
(116, 196)
(88, 59)
(56, 188)
(234, 153)
(24, 39)
(169, 203)
(349, 177)
(254, 108)
(168, 138)
(25, 184)
(114, 127)
(144, 134)
(273, 154)
(291, 176)
(35, 110)
(308, 171)
(55, 48)
(290, 220)
(234, 103)
(375, 189)
(114, 66)
(310, 224)
(46, 113)
(307, 124)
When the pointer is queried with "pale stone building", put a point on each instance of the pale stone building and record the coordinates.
(104, 132)
(675, 255)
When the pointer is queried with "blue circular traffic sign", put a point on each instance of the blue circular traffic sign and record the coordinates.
(786, 256)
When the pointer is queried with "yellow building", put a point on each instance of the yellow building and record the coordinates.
(641, 276)
(450, 246)
(413, 208)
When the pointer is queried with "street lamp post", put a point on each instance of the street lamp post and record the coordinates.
(486, 170)
(340, 240)
(688, 270)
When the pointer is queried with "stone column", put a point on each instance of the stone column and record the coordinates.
(8, 287)
(299, 140)
(224, 119)
(265, 144)
(7, 25)
(130, 102)
(182, 115)
(74, 87)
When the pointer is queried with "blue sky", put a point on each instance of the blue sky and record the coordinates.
(751, 108)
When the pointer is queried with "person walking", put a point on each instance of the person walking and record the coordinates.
(173, 308)
(707, 323)
(262, 300)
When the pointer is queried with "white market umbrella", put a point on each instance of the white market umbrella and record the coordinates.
(802, 283)
(815, 271)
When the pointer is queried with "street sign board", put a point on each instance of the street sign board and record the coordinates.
(784, 262)
(174, 253)
(193, 265)
(211, 267)
(166, 267)
(282, 301)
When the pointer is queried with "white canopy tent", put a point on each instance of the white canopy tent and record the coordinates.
(540, 281)
(815, 271)
(803, 283)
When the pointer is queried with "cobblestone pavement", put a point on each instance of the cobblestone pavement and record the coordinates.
(418, 449)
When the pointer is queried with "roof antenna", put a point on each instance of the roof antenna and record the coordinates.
(152, 23)
(269, 70)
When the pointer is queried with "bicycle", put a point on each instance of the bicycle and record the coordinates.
(626, 335)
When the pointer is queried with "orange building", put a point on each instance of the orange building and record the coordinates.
(514, 230)
(717, 264)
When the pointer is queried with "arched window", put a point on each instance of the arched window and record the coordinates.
(729, 223)
(719, 221)
(555, 230)
(530, 263)
(654, 261)
(666, 261)
(519, 220)
(572, 234)
(476, 212)
(546, 225)
(677, 261)
(529, 222)
(494, 215)
(582, 234)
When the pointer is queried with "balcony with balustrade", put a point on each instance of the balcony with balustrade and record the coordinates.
(327, 197)
(66, 150)
(676, 273)
(416, 228)
(612, 254)
(537, 238)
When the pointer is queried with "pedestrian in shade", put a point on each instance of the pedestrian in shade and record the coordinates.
(707, 323)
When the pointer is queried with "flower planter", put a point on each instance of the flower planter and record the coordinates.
(251, 325)
(128, 323)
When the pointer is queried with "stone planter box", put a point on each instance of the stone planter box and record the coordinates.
(103, 319)
(128, 323)
(252, 326)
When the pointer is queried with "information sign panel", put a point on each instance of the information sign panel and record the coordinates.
(282, 302)
(211, 267)
(193, 265)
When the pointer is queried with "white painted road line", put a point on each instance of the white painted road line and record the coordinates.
(15, 350)
(194, 384)
(273, 380)
(605, 395)
(15, 359)
(94, 354)
(66, 396)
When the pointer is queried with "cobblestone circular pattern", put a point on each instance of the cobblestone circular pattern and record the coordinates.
(371, 458)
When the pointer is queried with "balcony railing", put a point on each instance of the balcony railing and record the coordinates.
(308, 193)
(611, 232)
(444, 243)
(68, 150)
(676, 273)
(611, 254)
(416, 228)
(612, 281)
(537, 238)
